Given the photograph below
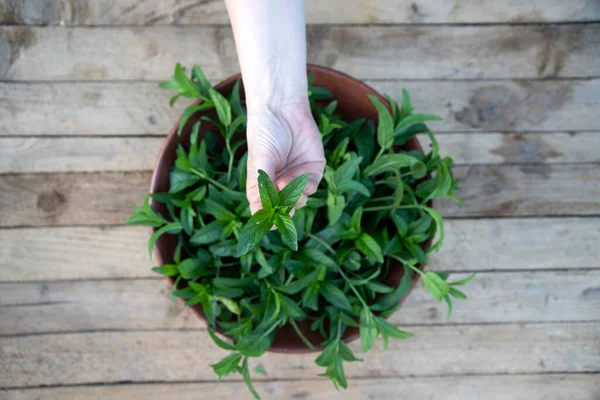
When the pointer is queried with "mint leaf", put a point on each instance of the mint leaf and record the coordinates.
(247, 379)
(335, 207)
(167, 270)
(286, 227)
(385, 124)
(369, 247)
(222, 106)
(218, 341)
(289, 195)
(227, 365)
(368, 330)
(335, 296)
(210, 233)
(390, 162)
(269, 197)
(253, 232)
(173, 227)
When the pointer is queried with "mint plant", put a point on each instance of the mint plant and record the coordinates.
(325, 265)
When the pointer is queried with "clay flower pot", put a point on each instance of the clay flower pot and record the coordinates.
(353, 103)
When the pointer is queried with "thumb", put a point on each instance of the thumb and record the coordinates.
(255, 163)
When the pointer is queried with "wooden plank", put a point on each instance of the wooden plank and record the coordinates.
(74, 253)
(390, 52)
(85, 154)
(516, 387)
(39, 12)
(108, 357)
(86, 108)
(89, 154)
(177, 12)
(41, 254)
(145, 304)
(498, 191)
(487, 190)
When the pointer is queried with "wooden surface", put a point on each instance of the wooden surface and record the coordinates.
(81, 120)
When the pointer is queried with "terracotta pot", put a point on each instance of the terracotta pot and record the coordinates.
(353, 103)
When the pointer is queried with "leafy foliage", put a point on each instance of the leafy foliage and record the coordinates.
(327, 264)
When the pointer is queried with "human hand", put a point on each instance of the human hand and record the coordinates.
(283, 141)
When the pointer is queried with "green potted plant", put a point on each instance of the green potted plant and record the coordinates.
(335, 270)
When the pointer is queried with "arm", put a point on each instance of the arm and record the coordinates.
(283, 139)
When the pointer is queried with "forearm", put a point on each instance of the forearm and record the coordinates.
(270, 38)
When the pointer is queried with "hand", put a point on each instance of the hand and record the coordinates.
(284, 142)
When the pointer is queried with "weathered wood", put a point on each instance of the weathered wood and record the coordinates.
(74, 253)
(514, 387)
(487, 190)
(39, 12)
(106, 357)
(40, 254)
(88, 154)
(497, 191)
(141, 108)
(146, 304)
(132, 12)
(391, 52)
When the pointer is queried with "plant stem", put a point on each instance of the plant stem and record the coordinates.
(352, 287)
(230, 166)
(406, 263)
(321, 242)
(211, 180)
(302, 337)
(381, 150)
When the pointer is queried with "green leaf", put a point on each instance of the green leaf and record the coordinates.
(414, 120)
(406, 108)
(400, 223)
(449, 304)
(235, 101)
(218, 341)
(388, 330)
(350, 185)
(227, 365)
(200, 265)
(290, 308)
(180, 180)
(185, 84)
(328, 355)
(289, 195)
(457, 294)
(390, 162)
(390, 300)
(141, 218)
(167, 270)
(335, 296)
(379, 287)
(222, 106)
(299, 284)
(269, 197)
(211, 207)
(254, 344)
(369, 247)
(188, 112)
(225, 248)
(253, 232)
(335, 207)
(436, 285)
(317, 257)
(310, 297)
(320, 93)
(230, 304)
(347, 170)
(346, 353)
(172, 228)
(202, 83)
(439, 223)
(235, 125)
(365, 143)
(368, 330)
(385, 124)
(286, 227)
(356, 218)
(463, 281)
(210, 233)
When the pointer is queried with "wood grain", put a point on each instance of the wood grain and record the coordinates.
(487, 190)
(390, 52)
(132, 12)
(526, 387)
(145, 304)
(90, 154)
(107, 357)
(496, 191)
(45, 254)
(132, 108)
